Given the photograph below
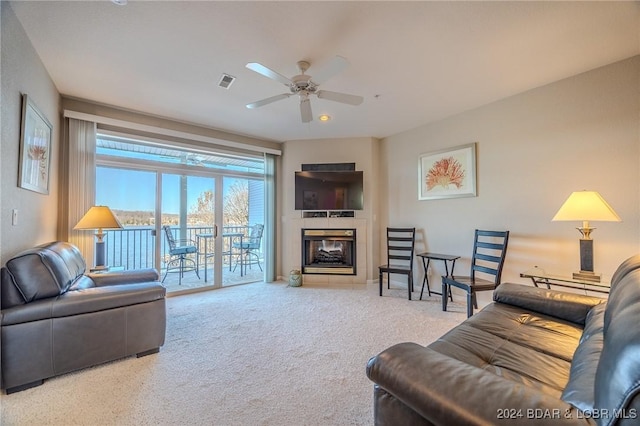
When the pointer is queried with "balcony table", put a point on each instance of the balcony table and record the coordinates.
(230, 236)
(206, 236)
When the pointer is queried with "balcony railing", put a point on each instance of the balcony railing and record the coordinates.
(134, 247)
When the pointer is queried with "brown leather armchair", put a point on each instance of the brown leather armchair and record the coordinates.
(55, 319)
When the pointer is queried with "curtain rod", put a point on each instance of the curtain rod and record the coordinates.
(166, 132)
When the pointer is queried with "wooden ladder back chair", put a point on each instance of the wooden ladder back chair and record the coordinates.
(400, 249)
(489, 252)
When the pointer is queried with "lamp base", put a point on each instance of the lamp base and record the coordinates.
(100, 255)
(586, 255)
(587, 276)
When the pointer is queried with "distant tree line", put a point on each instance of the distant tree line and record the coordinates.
(236, 210)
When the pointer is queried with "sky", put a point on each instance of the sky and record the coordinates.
(135, 189)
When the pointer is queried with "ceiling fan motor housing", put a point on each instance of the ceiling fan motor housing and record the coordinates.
(302, 82)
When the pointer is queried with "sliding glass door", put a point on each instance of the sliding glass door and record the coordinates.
(243, 229)
(188, 213)
(213, 206)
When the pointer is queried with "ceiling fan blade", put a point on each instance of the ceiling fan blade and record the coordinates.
(305, 110)
(340, 97)
(266, 101)
(335, 66)
(269, 73)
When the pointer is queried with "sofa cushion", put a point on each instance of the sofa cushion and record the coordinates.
(571, 307)
(523, 346)
(580, 388)
(45, 271)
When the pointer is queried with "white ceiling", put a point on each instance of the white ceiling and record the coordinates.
(413, 62)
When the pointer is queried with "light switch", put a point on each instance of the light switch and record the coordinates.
(14, 217)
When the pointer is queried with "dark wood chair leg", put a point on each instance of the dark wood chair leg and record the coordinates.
(445, 288)
(380, 280)
(409, 285)
(469, 304)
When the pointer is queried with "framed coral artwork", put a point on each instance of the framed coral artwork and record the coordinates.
(448, 173)
(35, 148)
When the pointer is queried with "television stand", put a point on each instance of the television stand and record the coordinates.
(328, 213)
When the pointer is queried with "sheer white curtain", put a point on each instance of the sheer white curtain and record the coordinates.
(270, 219)
(81, 183)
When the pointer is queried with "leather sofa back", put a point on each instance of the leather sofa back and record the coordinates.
(41, 272)
(617, 384)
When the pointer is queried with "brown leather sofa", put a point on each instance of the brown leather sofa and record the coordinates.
(533, 356)
(55, 319)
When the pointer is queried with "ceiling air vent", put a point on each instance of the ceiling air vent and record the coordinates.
(226, 81)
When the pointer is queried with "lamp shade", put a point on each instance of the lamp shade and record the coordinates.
(99, 217)
(586, 206)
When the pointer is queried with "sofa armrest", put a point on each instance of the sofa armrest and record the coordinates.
(446, 391)
(79, 302)
(125, 277)
(571, 307)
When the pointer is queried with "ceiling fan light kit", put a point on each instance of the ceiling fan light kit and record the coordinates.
(305, 85)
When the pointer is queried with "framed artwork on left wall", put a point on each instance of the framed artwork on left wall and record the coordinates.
(35, 148)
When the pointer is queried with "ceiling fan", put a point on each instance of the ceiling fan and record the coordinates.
(305, 85)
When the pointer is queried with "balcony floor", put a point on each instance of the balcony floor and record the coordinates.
(190, 280)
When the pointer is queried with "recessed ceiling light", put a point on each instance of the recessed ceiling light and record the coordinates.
(324, 117)
(120, 2)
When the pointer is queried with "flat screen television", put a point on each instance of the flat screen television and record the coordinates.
(321, 190)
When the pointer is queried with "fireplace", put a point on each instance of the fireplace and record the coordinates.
(329, 251)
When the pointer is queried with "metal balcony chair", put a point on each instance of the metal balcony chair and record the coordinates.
(250, 248)
(178, 251)
(400, 247)
(489, 252)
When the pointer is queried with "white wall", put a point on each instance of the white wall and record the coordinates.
(534, 149)
(23, 72)
(362, 151)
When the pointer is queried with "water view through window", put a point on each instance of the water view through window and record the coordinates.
(208, 200)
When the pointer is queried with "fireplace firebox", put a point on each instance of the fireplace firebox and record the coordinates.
(329, 251)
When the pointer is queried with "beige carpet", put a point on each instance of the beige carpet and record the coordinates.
(257, 354)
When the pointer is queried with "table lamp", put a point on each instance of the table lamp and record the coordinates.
(586, 206)
(99, 217)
